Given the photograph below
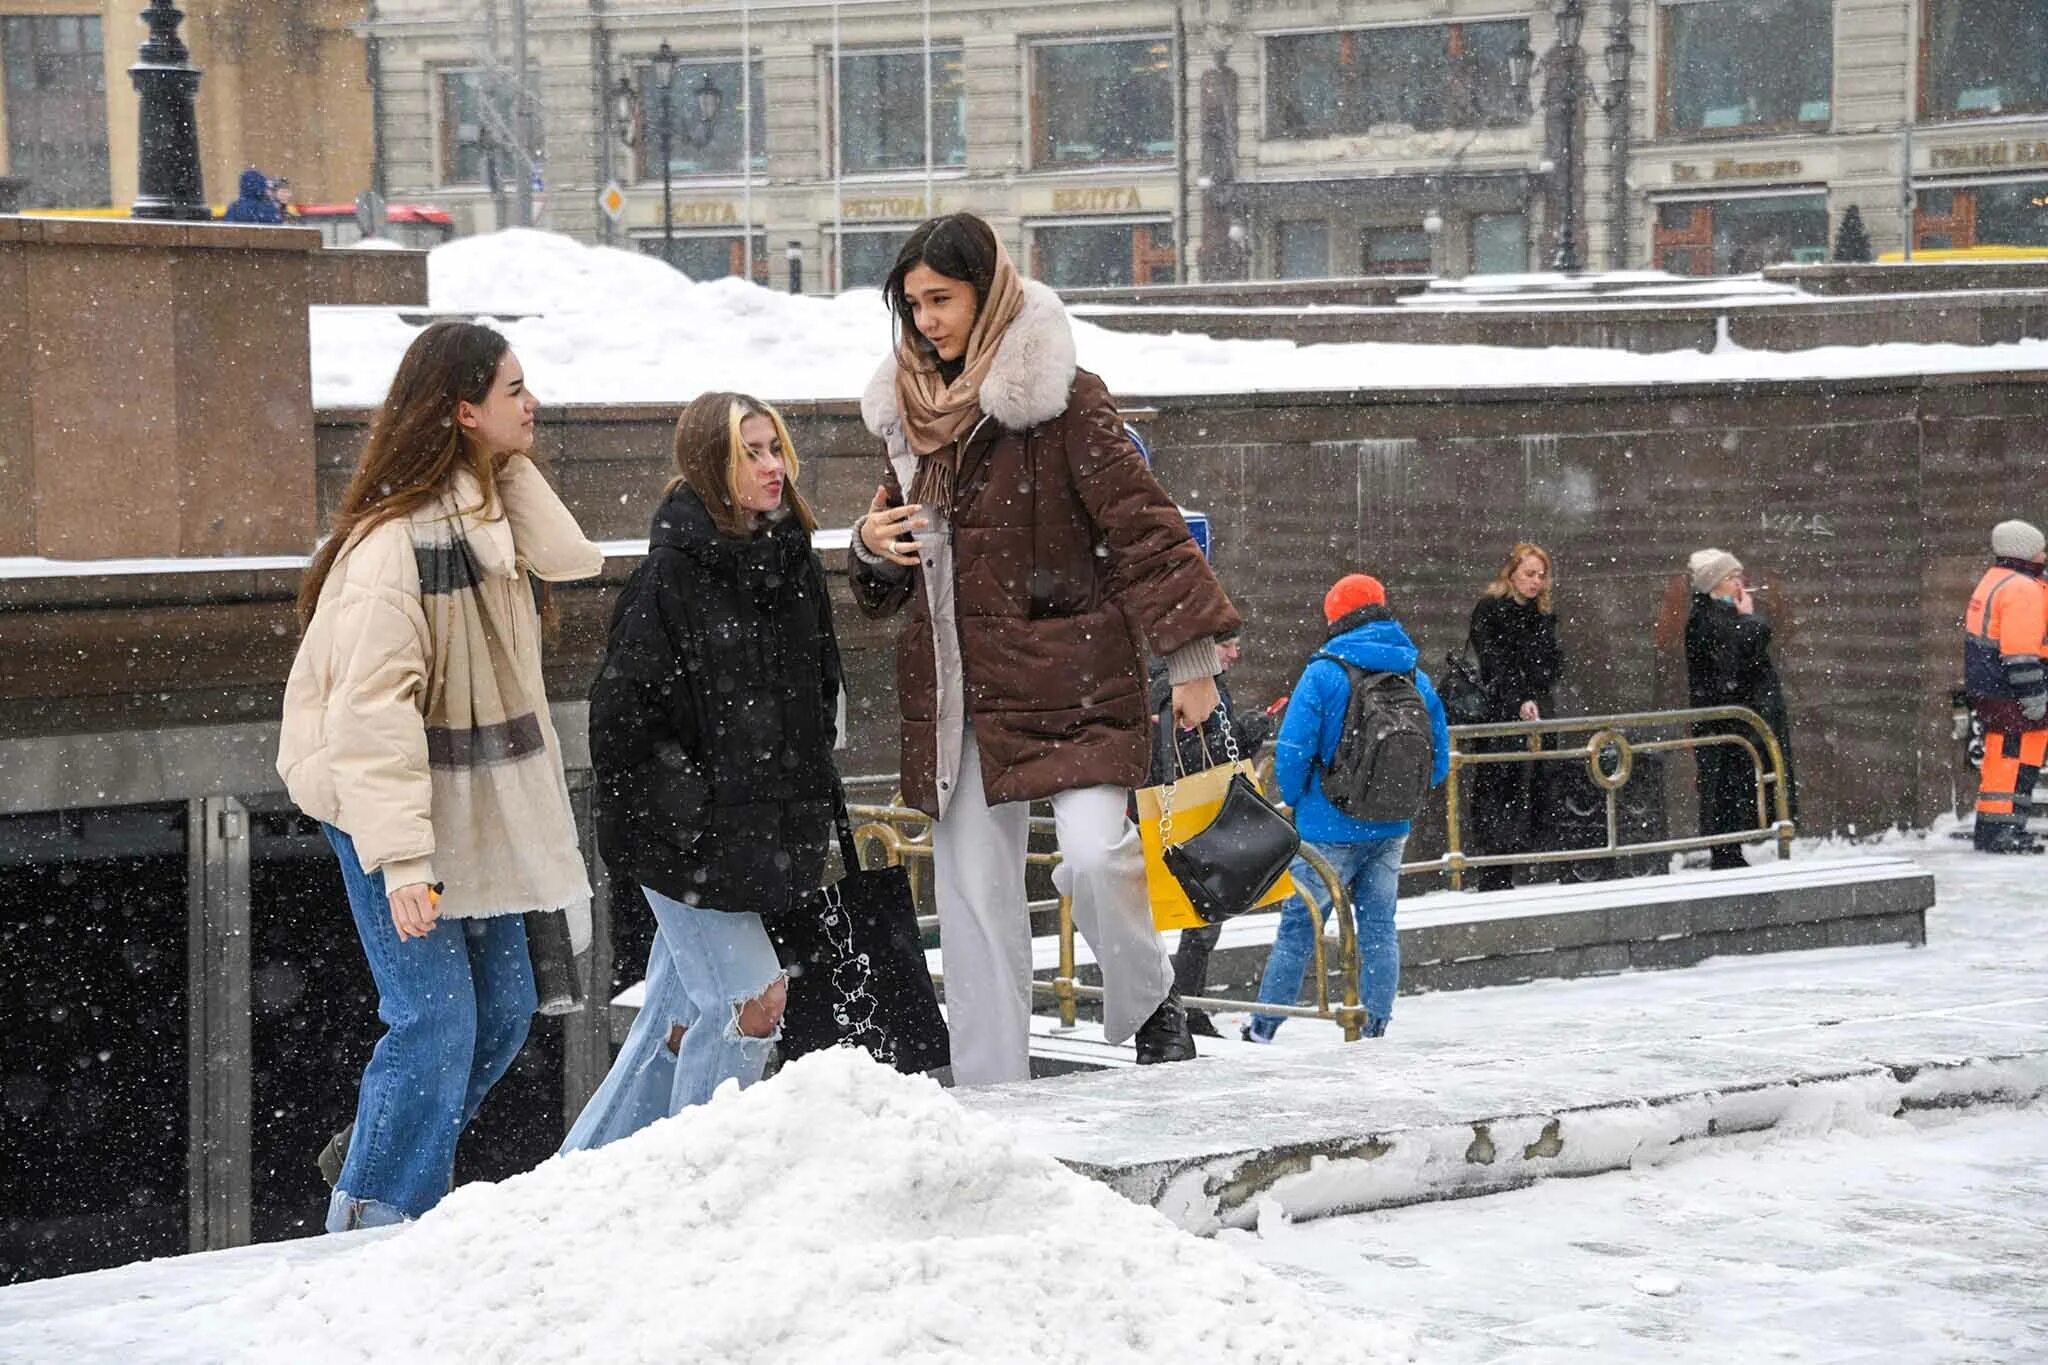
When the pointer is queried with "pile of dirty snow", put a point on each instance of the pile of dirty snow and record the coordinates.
(601, 325)
(839, 1213)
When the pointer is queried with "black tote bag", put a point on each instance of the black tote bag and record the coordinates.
(856, 967)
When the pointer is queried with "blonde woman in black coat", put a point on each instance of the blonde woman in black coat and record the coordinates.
(1514, 636)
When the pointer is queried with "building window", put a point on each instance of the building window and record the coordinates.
(1741, 236)
(1436, 76)
(2011, 214)
(709, 255)
(1395, 251)
(1736, 66)
(1984, 57)
(721, 144)
(882, 110)
(56, 109)
(1500, 243)
(477, 129)
(1102, 102)
(1302, 250)
(866, 258)
(1103, 255)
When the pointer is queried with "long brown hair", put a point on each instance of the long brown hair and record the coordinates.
(709, 453)
(415, 444)
(1503, 582)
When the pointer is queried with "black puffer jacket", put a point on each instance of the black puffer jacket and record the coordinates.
(1519, 657)
(712, 720)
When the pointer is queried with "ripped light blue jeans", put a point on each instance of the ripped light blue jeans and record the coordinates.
(704, 966)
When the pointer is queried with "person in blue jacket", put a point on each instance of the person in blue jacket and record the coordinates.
(255, 204)
(1367, 856)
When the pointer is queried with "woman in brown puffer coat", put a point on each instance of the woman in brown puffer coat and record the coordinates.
(1041, 559)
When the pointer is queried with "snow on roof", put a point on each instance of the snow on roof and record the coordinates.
(600, 325)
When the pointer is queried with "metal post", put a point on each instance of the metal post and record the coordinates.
(796, 267)
(931, 203)
(668, 195)
(169, 182)
(838, 166)
(522, 120)
(1567, 258)
(1620, 110)
(217, 1021)
(747, 138)
(1907, 206)
(586, 1034)
(600, 40)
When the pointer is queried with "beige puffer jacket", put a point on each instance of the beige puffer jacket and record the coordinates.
(415, 717)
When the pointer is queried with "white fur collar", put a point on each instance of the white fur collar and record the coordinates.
(1028, 383)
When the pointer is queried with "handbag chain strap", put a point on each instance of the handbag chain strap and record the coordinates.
(1230, 751)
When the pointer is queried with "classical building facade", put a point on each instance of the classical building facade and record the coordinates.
(285, 89)
(1144, 142)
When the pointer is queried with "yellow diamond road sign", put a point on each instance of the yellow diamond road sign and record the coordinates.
(612, 200)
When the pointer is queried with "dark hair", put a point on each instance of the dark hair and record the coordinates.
(959, 246)
(415, 443)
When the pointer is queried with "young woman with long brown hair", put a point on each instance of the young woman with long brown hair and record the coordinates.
(416, 731)
(711, 733)
(1037, 553)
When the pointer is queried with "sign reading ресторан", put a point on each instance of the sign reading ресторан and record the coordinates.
(884, 208)
(1728, 168)
(1989, 155)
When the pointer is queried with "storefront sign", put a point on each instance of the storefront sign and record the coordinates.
(1989, 155)
(1098, 199)
(1728, 168)
(707, 213)
(885, 208)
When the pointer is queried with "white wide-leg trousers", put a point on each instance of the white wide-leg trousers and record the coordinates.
(985, 928)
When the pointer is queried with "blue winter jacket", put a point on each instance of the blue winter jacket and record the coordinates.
(255, 205)
(1315, 722)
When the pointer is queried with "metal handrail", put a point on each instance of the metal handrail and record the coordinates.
(1606, 736)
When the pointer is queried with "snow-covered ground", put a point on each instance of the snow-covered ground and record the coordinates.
(1918, 1242)
(599, 325)
(843, 1214)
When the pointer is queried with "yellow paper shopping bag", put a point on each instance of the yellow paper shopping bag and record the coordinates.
(1196, 799)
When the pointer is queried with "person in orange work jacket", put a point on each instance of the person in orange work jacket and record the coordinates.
(2003, 636)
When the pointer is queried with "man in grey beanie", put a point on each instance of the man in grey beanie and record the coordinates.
(2003, 641)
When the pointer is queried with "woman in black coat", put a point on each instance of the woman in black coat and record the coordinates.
(1514, 637)
(711, 734)
(1728, 663)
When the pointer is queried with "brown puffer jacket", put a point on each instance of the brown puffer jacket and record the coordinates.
(1064, 551)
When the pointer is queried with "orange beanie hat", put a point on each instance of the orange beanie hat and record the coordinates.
(1351, 592)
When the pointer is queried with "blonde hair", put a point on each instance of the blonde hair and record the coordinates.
(709, 452)
(1503, 582)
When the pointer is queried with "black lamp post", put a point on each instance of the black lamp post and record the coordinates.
(709, 100)
(1566, 99)
(169, 184)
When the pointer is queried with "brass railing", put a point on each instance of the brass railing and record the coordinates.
(1607, 741)
(903, 837)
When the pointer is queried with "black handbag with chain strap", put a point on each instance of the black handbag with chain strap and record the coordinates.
(856, 966)
(1229, 866)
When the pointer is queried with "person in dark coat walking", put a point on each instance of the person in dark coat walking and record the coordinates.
(1728, 663)
(1514, 637)
(1039, 558)
(255, 205)
(1197, 749)
(712, 723)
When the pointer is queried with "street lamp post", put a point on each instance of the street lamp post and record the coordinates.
(1565, 99)
(169, 183)
(626, 103)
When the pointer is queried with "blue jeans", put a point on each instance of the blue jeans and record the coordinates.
(455, 1006)
(1371, 873)
(705, 965)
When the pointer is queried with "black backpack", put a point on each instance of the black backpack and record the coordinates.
(1381, 770)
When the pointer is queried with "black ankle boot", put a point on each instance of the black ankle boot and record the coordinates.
(1165, 1036)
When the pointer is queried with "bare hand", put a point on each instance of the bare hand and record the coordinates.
(886, 530)
(1746, 603)
(1194, 702)
(1530, 712)
(414, 910)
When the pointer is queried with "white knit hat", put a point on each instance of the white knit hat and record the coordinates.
(2017, 540)
(1709, 567)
